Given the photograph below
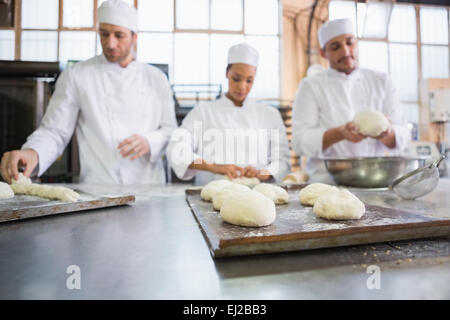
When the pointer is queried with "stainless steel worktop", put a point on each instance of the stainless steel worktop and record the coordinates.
(154, 249)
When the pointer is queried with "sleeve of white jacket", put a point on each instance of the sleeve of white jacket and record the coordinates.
(307, 136)
(158, 139)
(183, 144)
(58, 124)
(279, 165)
(393, 111)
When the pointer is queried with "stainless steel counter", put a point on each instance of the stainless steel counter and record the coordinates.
(154, 249)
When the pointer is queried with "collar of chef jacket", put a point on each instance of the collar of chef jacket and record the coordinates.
(114, 67)
(229, 103)
(341, 75)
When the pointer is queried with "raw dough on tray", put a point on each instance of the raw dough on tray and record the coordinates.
(341, 205)
(271, 191)
(309, 194)
(5, 191)
(248, 209)
(225, 192)
(25, 187)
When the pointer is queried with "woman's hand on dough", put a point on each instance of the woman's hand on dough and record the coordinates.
(13, 160)
(229, 170)
(264, 175)
(135, 146)
(350, 132)
(250, 172)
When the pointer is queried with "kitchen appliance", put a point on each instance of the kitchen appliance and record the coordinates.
(25, 90)
(434, 114)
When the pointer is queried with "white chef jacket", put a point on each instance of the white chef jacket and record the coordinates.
(330, 99)
(220, 132)
(106, 104)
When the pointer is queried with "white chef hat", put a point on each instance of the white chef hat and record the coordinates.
(118, 13)
(334, 28)
(243, 53)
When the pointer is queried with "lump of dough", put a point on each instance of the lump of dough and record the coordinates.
(26, 187)
(248, 209)
(310, 193)
(5, 191)
(341, 205)
(271, 191)
(371, 122)
(22, 179)
(45, 191)
(212, 187)
(246, 181)
(222, 194)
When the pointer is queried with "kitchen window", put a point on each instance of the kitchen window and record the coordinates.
(191, 36)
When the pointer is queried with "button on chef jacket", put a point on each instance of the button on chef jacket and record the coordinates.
(209, 120)
(330, 99)
(105, 104)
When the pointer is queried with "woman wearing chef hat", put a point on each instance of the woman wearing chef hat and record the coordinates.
(326, 104)
(232, 136)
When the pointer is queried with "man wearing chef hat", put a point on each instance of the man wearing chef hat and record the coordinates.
(207, 144)
(327, 102)
(121, 110)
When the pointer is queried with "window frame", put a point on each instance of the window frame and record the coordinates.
(418, 42)
(18, 32)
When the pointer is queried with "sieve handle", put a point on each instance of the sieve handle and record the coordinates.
(437, 162)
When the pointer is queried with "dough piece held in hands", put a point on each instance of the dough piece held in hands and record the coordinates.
(310, 193)
(212, 187)
(371, 122)
(248, 209)
(225, 192)
(271, 191)
(5, 191)
(341, 205)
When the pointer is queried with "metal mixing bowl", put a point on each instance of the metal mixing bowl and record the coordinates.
(371, 172)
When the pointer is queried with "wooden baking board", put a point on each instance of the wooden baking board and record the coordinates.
(297, 228)
(23, 207)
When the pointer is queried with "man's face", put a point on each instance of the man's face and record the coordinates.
(342, 53)
(117, 42)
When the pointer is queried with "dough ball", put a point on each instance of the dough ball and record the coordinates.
(222, 194)
(22, 179)
(341, 205)
(246, 181)
(271, 191)
(248, 209)
(310, 193)
(5, 191)
(212, 187)
(371, 122)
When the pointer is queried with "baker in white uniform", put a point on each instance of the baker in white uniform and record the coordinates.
(327, 101)
(233, 135)
(121, 110)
